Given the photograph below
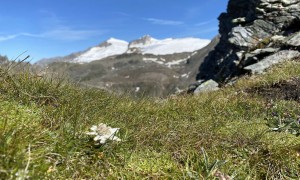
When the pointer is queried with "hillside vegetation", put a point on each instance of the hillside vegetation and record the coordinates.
(236, 132)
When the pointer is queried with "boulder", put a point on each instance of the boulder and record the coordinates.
(192, 87)
(207, 86)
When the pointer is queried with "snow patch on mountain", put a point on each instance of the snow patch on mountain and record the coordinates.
(156, 60)
(110, 47)
(149, 45)
(176, 62)
(169, 64)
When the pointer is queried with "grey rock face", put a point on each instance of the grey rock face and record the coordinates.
(254, 56)
(252, 30)
(267, 62)
(207, 86)
(294, 40)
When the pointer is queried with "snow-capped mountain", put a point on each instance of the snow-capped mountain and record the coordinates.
(149, 45)
(146, 66)
(145, 45)
(111, 47)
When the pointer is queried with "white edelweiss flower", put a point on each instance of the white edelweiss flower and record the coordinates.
(102, 133)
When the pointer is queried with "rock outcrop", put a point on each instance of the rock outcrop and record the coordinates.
(207, 86)
(255, 34)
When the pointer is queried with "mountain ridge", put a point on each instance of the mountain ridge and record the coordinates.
(143, 45)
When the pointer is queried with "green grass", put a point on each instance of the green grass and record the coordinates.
(43, 122)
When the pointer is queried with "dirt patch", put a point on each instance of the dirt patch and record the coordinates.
(285, 90)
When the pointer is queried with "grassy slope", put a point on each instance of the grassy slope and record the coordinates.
(43, 125)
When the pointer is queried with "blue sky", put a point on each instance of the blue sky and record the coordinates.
(47, 28)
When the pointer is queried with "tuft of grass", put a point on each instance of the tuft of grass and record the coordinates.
(227, 133)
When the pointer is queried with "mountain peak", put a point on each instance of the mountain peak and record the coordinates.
(111, 41)
(145, 40)
(114, 40)
(110, 47)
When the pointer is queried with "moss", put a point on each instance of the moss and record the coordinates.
(262, 43)
(19, 126)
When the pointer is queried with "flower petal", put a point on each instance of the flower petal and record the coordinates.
(91, 133)
(93, 128)
(97, 138)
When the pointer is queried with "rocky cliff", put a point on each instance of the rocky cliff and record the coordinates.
(254, 35)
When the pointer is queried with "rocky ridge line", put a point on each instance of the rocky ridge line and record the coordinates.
(255, 34)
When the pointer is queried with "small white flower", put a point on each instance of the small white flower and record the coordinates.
(102, 133)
